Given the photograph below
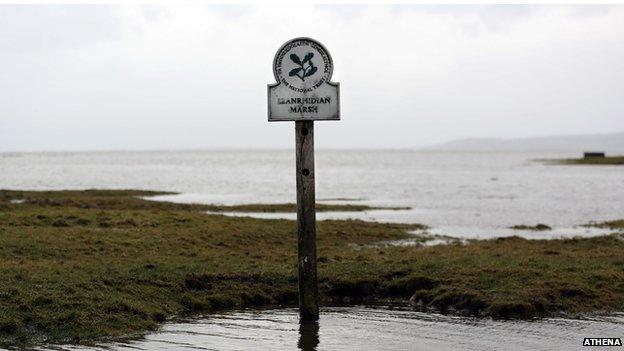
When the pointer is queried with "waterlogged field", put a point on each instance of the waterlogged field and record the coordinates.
(462, 194)
(79, 266)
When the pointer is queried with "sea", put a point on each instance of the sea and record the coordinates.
(461, 194)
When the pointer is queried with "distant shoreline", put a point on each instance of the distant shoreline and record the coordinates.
(601, 161)
(609, 142)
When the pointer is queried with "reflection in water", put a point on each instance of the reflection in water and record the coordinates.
(366, 328)
(308, 335)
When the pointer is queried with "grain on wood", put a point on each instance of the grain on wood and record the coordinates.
(306, 221)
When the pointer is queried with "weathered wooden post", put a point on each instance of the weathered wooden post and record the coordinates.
(304, 93)
(306, 220)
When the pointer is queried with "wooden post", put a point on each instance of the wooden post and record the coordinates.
(306, 221)
(304, 93)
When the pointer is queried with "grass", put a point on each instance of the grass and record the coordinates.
(614, 225)
(109, 199)
(537, 227)
(79, 266)
(320, 207)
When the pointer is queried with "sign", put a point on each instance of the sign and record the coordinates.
(304, 91)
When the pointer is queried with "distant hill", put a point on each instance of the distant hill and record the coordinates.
(610, 143)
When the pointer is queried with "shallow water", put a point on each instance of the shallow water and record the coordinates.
(370, 328)
(409, 216)
(465, 194)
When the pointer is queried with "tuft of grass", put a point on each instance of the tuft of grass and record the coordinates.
(320, 207)
(77, 266)
(537, 227)
(617, 224)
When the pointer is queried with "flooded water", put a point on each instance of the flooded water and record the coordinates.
(463, 194)
(410, 216)
(368, 328)
(466, 195)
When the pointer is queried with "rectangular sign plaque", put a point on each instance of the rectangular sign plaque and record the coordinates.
(304, 91)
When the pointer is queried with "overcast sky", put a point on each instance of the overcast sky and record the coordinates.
(89, 77)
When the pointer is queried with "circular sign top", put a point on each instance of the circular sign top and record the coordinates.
(302, 65)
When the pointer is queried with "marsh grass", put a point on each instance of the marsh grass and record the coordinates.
(613, 225)
(78, 266)
(608, 160)
(537, 227)
(320, 207)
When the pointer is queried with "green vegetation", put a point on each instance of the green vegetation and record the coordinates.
(293, 208)
(617, 224)
(608, 160)
(537, 227)
(109, 199)
(79, 266)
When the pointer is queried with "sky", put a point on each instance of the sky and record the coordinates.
(86, 77)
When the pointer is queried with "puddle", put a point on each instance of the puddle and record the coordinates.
(368, 328)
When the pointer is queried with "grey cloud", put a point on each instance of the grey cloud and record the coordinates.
(38, 28)
(102, 77)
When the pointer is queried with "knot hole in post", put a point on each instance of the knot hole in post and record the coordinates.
(304, 131)
(305, 172)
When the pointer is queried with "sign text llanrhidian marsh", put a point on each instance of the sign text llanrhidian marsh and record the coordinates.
(304, 91)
